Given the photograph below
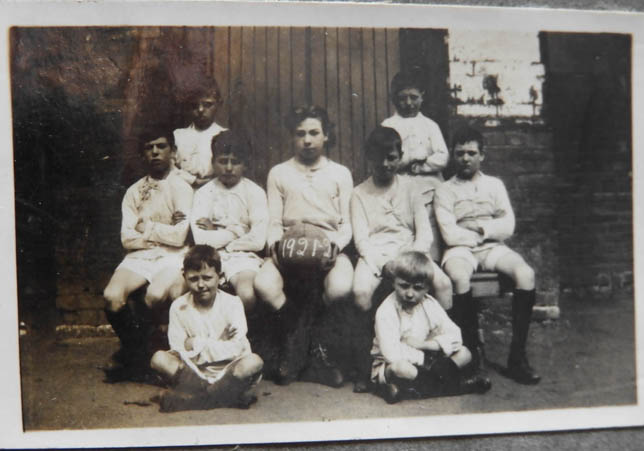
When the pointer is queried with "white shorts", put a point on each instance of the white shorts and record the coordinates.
(485, 259)
(149, 262)
(236, 262)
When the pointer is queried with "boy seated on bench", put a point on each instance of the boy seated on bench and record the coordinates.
(417, 349)
(230, 213)
(210, 363)
(475, 217)
(153, 232)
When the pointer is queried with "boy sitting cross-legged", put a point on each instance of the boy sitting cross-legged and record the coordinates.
(417, 349)
(210, 363)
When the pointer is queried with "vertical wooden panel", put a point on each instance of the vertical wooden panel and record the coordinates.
(259, 137)
(393, 61)
(299, 60)
(285, 85)
(332, 86)
(234, 68)
(369, 95)
(273, 101)
(357, 101)
(318, 68)
(221, 61)
(380, 72)
(344, 97)
(247, 77)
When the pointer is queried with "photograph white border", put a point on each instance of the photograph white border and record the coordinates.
(303, 14)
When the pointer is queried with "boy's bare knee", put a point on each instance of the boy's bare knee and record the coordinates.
(114, 299)
(403, 369)
(525, 277)
(248, 366)
(154, 297)
(362, 299)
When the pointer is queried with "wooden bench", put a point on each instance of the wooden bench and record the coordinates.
(490, 284)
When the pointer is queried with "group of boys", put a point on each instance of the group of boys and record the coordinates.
(195, 192)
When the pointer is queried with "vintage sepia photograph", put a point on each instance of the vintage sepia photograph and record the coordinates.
(234, 229)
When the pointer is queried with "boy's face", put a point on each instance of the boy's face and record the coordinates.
(158, 155)
(408, 101)
(203, 111)
(228, 168)
(309, 139)
(409, 293)
(468, 158)
(386, 164)
(202, 284)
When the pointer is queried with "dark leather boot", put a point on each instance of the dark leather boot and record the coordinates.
(518, 367)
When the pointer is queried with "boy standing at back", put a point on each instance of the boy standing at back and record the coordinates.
(194, 157)
(425, 153)
(475, 217)
(230, 213)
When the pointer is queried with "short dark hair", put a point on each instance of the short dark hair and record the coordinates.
(232, 142)
(468, 134)
(199, 255)
(154, 130)
(380, 140)
(406, 79)
(207, 87)
(300, 113)
(412, 266)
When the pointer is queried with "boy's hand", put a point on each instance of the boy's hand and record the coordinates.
(140, 225)
(188, 344)
(201, 181)
(205, 224)
(228, 333)
(473, 225)
(177, 217)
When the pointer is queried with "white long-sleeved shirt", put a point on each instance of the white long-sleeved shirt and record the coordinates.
(425, 321)
(483, 199)
(241, 212)
(194, 154)
(387, 221)
(205, 326)
(155, 201)
(423, 146)
(317, 195)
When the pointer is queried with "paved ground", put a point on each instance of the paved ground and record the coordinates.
(586, 359)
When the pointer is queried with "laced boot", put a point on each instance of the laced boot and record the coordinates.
(518, 367)
(321, 369)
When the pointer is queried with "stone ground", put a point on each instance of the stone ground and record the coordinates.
(586, 359)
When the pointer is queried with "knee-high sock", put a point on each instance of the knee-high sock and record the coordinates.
(522, 304)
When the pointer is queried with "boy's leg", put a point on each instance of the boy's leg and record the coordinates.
(126, 325)
(513, 265)
(338, 283)
(233, 387)
(166, 363)
(464, 310)
(442, 287)
(365, 283)
(269, 285)
(243, 283)
(167, 284)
